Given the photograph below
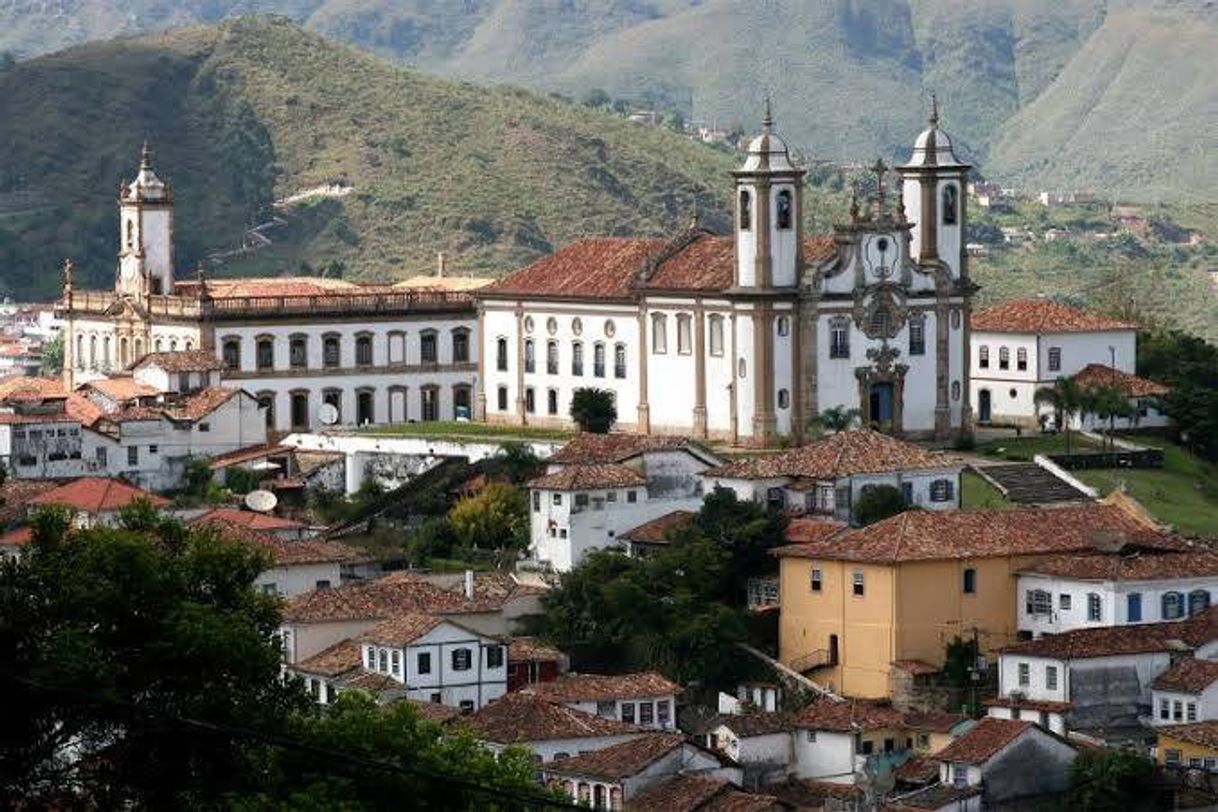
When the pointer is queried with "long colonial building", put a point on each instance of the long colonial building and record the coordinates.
(747, 338)
(376, 353)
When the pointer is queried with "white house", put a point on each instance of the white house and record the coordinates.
(1186, 692)
(829, 476)
(747, 337)
(995, 755)
(615, 776)
(1022, 345)
(1145, 398)
(834, 741)
(645, 699)
(550, 729)
(760, 742)
(94, 501)
(1131, 586)
(297, 565)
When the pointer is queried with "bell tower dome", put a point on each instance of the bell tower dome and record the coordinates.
(769, 208)
(145, 258)
(933, 191)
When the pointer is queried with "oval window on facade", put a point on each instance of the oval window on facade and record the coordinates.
(741, 368)
(956, 319)
(528, 324)
(610, 328)
(955, 390)
(551, 325)
(577, 326)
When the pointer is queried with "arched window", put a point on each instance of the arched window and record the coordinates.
(783, 325)
(230, 353)
(1004, 358)
(365, 406)
(969, 584)
(92, 352)
(158, 345)
(784, 399)
(173, 345)
(106, 351)
(551, 357)
(530, 360)
(839, 337)
(331, 350)
(501, 355)
(1021, 359)
(266, 400)
(298, 350)
(190, 345)
(300, 409)
(551, 401)
(619, 360)
(881, 321)
(598, 360)
(716, 334)
(460, 345)
(139, 349)
(577, 359)
(784, 210)
(685, 339)
(80, 353)
(265, 352)
(428, 352)
(659, 333)
(950, 205)
(122, 351)
(1173, 605)
(363, 350)
(130, 233)
(983, 357)
(1198, 601)
(917, 334)
(746, 210)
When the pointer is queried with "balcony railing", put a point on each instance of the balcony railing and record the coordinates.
(813, 659)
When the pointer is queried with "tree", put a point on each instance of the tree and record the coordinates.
(496, 518)
(7, 61)
(1189, 365)
(516, 461)
(878, 502)
(597, 98)
(1066, 399)
(52, 354)
(1109, 403)
(835, 419)
(593, 409)
(1110, 778)
(675, 121)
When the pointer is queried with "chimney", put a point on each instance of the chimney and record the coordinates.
(441, 264)
(469, 578)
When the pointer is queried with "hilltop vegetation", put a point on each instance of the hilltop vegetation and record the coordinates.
(1043, 92)
(257, 109)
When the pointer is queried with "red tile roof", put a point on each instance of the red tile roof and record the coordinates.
(933, 721)
(433, 711)
(923, 535)
(15, 496)
(398, 593)
(756, 724)
(20, 386)
(1202, 733)
(289, 552)
(531, 650)
(588, 477)
(806, 529)
(916, 667)
(401, 630)
(1110, 641)
(248, 454)
(522, 717)
(846, 453)
(248, 518)
(848, 715)
(1190, 676)
(700, 793)
(181, 361)
(590, 687)
(121, 388)
(81, 409)
(656, 531)
(18, 537)
(587, 448)
(1142, 566)
(201, 403)
(1030, 704)
(1042, 316)
(918, 770)
(983, 740)
(621, 760)
(1102, 375)
(286, 286)
(338, 659)
(97, 495)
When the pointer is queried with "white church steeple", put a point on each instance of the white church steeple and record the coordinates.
(769, 204)
(145, 259)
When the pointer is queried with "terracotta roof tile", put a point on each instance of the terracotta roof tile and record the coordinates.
(17, 537)
(522, 717)
(122, 388)
(289, 552)
(756, 724)
(1042, 316)
(134, 414)
(15, 496)
(587, 448)
(847, 716)
(398, 593)
(13, 386)
(923, 535)
(806, 529)
(97, 495)
(249, 518)
(433, 711)
(983, 740)
(589, 687)
(845, 453)
(933, 721)
(699, 793)
(621, 760)
(372, 682)
(596, 268)
(285, 286)
(248, 454)
(919, 770)
(1102, 375)
(532, 650)
(1030, 704)
(1202, 733)
(181, 361)
(83, 410)
(656, 531)
(586, 477)
(1190, 676)
(1142, 566)
(401, 630)
(916, 667)
(935, 797)
(201, 403)
(337, 659)
(1110, 641)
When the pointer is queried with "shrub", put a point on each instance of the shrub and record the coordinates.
(593, 410)
(878, 502)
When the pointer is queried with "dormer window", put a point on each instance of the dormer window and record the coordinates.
(783, 210)
(746, 210)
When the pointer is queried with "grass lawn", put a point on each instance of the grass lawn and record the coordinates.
(1183, 493)
(975, 492)
(1025, 448)
(467, 431)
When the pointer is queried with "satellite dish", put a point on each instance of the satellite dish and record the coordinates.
(327, 413)
(261, 501)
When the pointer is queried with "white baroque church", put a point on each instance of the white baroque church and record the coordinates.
(747, 338)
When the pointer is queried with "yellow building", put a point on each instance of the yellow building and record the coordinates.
(854, 601)
(1194, 745)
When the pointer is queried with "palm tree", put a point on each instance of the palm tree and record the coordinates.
(1109, 403)
(835, 419)
(1065, 397)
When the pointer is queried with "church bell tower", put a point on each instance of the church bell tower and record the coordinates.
(933, 192)
(145, 259)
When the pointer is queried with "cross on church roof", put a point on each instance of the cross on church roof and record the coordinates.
(146, 156)
(934, 110)
(881, 170)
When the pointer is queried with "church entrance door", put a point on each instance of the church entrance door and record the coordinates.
(881, 406)
(984, 406)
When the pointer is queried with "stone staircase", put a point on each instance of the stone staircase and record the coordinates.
(1029, 484)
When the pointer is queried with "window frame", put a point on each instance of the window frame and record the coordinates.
(659, 333)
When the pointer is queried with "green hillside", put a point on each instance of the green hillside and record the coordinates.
(1048, 93)
(258, 109)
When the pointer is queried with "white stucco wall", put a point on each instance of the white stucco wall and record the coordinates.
(1114, 601)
